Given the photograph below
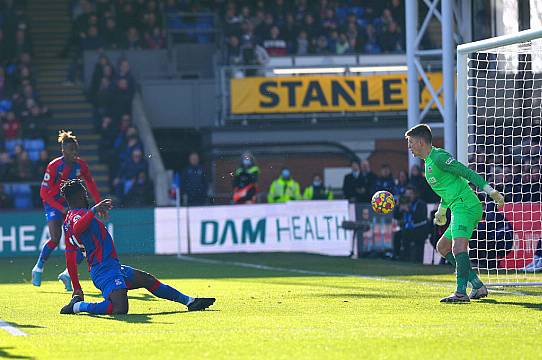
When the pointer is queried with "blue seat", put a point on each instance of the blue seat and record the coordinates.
(358, 10)
(341, 13)
(34, 155)
(22, 195)
(11, 144)
(34, 144)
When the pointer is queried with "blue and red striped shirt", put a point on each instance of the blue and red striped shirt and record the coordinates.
(83, 231)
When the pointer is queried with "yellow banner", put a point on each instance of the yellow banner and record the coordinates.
(301, 94)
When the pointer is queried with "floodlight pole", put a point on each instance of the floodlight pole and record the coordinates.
(418, 61)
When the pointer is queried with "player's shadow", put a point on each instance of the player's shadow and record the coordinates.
(4, 354)
(527, 305)
(26, 326)
(145, 318)
(143, 297)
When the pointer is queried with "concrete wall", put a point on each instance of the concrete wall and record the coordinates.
(180, 103)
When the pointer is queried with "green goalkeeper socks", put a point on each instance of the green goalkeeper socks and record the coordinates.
(472, 278)
(462, 273)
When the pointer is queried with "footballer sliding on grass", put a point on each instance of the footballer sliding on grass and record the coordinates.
(84, 232)
(450, 179)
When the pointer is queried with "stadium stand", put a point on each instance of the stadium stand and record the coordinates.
(305, 28)
(22, 114)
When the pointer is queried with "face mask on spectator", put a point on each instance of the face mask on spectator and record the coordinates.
(247, 162)
(355, 173)
(317, 183)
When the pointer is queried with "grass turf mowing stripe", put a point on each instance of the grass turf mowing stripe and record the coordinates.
(327, 273)
(11, 329)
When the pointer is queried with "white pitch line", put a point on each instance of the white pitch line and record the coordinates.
(11, 329)
(325, 273)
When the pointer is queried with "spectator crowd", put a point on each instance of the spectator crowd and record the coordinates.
(120, 148)
(23, 118)
(302, 27)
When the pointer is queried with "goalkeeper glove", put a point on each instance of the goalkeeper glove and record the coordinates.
(440, 216)
(498, 198)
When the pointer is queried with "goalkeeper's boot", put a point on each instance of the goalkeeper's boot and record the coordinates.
(200, 304)
(68, 309)
(477, 294)
(456, 298)
(64, 277)
(36, 276)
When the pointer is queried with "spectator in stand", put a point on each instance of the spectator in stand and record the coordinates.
(322, 46)
(302, 44)
(245, 181)
(41, 165)
(493, 240)
(155, 38)
(417, 180)
(316, 190)
(130, 144)
(193, 182)
(274, 44)
(132, 41)
(254, 55)
(11, 126)
(90, 40)
(284, 188)
(371, 45)
(129, 172)
(411, 214)
(141, 192)
(397, 9)
(79, 26)
(6, 167)
(528, 190)
(23, 167)
(111, 35)
(35, 123)
(234, 55)
(104, 97)
(391, 39)
(401, 183)
(264, 28)
(6, 202)
(342, 47)
(290, 31)
(126, 16)
(358, 186)
(122, 98)
(385, 181)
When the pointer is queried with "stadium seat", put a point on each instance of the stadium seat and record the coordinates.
(22, 195)
(11, 144)
(341, 13)
(358, 11)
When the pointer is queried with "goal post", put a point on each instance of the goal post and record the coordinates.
(499, 114)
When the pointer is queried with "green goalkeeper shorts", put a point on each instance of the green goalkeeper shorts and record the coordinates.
(465, 218)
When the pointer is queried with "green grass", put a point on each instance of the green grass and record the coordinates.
(271, 314)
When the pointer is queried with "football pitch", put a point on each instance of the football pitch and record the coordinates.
(281, 306)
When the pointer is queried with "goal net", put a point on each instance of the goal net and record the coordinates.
(499, 136)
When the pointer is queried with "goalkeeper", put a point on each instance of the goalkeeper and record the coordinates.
(450, 180)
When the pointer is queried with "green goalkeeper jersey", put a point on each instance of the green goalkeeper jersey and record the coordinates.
(450, 179)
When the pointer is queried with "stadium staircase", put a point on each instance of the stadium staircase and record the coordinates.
(50, 28)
